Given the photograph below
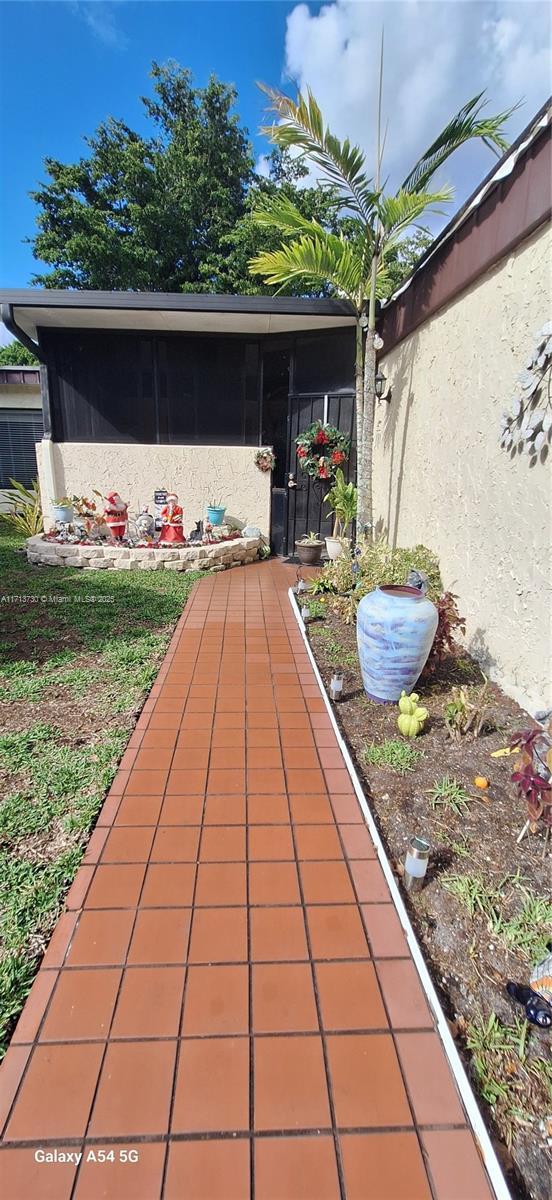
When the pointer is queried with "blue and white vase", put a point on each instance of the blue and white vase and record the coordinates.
(395, 630)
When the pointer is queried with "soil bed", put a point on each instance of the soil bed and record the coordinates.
(470, 957)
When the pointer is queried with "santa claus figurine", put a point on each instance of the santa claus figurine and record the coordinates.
(172, 517)
(115, 514)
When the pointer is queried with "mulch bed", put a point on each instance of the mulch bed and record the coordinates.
(469, 966)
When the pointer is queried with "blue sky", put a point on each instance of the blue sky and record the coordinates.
(65, 65)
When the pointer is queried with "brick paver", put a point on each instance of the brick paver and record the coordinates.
(229, 996)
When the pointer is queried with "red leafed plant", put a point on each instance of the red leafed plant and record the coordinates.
(532, 773)
(450, 622)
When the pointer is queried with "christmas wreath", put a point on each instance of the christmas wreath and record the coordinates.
(265, 459)
(321, 449)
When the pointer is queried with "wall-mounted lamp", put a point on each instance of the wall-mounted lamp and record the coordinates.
(381, 383)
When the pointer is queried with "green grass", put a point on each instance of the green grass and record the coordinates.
(77, 658)
(509, 1074)
(395, 754)
(335, 651)
(459, 843)
(514, 914)
(449, 794)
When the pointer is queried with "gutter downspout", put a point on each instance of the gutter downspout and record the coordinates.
(45, 458)
(11, 325)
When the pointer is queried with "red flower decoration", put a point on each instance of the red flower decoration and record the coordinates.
(321, 449)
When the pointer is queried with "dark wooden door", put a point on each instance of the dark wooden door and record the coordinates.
(306, 510)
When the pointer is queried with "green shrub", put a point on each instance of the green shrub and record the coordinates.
(377, 563)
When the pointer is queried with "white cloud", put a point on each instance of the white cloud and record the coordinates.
(437, 56)
(262, 166)
(100, 18)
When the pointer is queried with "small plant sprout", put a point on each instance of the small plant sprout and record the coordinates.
(464, 715)
(310, 539)
(449, 793)
(396, 755)
(532, 775)
(513, 913)
(317, 608)
(412, 718)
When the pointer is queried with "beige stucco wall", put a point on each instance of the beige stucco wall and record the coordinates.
(199, 474)
(440, 476)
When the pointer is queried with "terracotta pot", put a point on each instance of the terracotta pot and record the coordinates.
(395, 631)
(309, 553)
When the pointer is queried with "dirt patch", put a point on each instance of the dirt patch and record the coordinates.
(469, 963)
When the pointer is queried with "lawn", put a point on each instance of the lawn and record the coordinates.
(78, 655)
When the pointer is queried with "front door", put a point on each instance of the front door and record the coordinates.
(306, 510)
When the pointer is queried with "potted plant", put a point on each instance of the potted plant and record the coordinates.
(342, 501)
(62, 510)
(309, 549)
(215, 512)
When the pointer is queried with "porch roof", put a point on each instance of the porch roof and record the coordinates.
(30, 308)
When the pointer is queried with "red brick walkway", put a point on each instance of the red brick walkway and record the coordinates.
(229, 995)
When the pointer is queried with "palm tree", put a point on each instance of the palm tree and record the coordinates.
(353, 261)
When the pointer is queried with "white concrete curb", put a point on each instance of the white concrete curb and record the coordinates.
(496, 1177)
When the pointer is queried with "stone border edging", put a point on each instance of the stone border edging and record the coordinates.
(107, 556)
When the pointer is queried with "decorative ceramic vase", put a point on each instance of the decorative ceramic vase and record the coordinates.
(395, 630)
(215, 514)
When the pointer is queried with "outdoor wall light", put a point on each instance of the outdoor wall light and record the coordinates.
(336, 685)
(415, 863)
(381, 382)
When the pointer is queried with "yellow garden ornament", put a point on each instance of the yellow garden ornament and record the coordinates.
(411, 718)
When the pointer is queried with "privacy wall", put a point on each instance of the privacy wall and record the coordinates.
(201, 475)
(440, 476)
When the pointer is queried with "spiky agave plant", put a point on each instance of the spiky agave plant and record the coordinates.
(353, 262)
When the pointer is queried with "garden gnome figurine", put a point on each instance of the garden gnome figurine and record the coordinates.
(172, 517)
(115, 514)
(145, 525)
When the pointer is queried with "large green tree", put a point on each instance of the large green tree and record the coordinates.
(355, 261)
(17, 355)
(148, 212)
(174, 211)
(229, 270)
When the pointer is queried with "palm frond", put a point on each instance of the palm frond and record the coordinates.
(278, 211)
(396, 213)
(301, 125)
(467, 124)
(322, 259)
(314, 259)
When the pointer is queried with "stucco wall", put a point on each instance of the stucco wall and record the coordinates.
(440, 476)
(199, 474)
